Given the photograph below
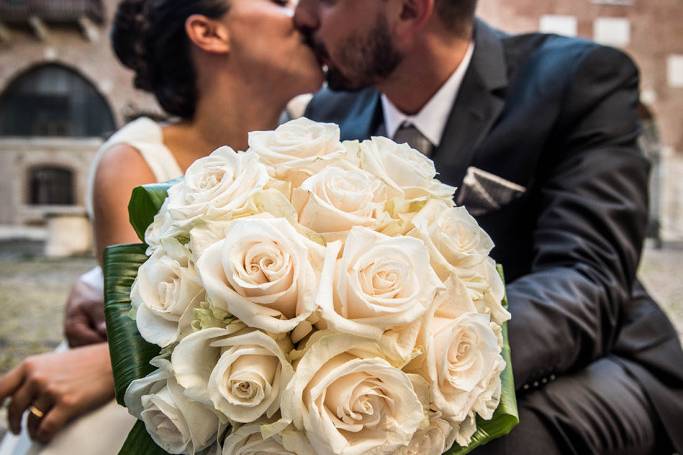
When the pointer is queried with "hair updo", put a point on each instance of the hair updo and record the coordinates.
(148, 36)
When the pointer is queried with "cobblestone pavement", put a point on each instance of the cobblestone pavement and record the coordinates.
(33, 290)
(32, 294)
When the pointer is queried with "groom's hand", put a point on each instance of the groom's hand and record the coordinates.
(84, 316)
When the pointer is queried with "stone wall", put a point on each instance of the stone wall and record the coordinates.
(19, 156)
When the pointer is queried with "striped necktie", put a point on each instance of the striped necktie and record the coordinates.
(409, 134)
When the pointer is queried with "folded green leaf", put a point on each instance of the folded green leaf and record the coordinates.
(145, 202)
(130, 353)
(140, 442)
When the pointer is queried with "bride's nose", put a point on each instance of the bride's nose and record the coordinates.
(305, 17)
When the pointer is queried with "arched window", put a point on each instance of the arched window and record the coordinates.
(53, 100)
(51, 185)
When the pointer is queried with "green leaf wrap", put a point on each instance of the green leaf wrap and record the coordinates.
(130, 353)
(145, 202)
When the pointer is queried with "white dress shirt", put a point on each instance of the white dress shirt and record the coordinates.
(431, 120)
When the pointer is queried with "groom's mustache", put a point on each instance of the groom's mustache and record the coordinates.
(317, 47)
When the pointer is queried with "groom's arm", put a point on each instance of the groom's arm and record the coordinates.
(589, 235)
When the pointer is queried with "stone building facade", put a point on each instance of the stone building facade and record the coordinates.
(57, 74)
(43, 41)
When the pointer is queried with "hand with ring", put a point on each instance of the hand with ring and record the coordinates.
(56, 388)
(36, 412)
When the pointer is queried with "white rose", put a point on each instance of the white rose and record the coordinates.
(176, 423)
(463, 364)
(454, 238)
(250, 377)
(298, 148)
(407, 171)
(436, 439)
(349, 400)
(450, 302)
(218, 186)
(203, 235)
(161, 228)
(266, 203)
(461, 357)
(380, 283)
(264, 273)
(334, 200)
(459, 246)
(399, 343)
(248, 440)
(242, 375)
(463, 431)
(487, 290)
(164, 293)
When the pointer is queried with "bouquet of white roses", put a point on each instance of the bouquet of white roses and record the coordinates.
(309, 296)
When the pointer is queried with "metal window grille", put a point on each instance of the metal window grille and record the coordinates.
(51, 186)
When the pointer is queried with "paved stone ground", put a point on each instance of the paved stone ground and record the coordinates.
(33, 290)
(661, 271)
(32, 294)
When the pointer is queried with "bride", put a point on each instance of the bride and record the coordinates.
(220, 68)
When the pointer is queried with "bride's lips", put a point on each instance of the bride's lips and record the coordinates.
(319, 51)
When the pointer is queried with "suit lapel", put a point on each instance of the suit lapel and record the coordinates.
(479, 103)
(364, 118)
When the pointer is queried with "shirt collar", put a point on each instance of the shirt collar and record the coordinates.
(431, 120)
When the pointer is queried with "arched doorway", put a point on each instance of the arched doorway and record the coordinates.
(53, 100)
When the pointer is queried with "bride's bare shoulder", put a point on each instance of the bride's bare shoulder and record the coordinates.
(125, 165)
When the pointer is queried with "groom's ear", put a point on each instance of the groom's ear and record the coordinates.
(413, 16)
(208, 34)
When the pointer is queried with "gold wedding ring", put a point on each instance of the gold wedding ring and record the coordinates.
(36, 412)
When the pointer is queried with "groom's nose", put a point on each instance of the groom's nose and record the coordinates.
(305, 15)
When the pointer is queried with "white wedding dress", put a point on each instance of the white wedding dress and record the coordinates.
(103, 431)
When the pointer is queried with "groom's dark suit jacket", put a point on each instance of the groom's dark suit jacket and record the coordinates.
(557, 116)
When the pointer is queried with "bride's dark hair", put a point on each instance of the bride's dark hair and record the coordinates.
(148, 36)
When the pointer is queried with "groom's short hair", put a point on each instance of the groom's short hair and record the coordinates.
(457, 14)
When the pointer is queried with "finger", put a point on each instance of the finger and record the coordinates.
(102, 330)
(10, 383)
(21, 400)
(79, 333)
(96, 317)
(52, 423)
(44, 404)
(95, 312)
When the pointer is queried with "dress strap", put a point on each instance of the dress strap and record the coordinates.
(146, 136)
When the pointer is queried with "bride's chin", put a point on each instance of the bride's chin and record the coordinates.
(312, 78)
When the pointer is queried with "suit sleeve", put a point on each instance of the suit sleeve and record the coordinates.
(592, 195)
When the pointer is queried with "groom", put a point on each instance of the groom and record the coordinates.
(539, 133)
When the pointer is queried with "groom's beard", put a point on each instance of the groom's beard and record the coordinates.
(362, 60)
